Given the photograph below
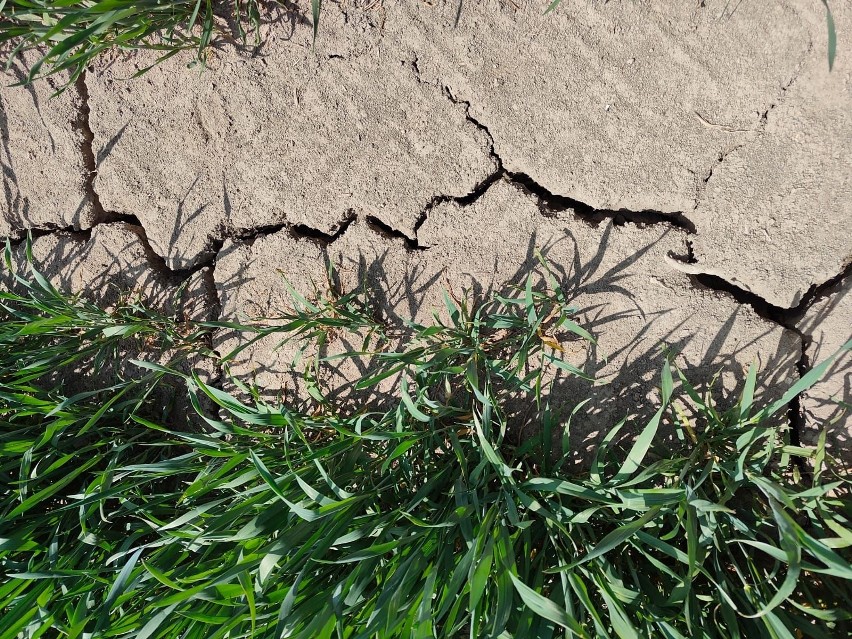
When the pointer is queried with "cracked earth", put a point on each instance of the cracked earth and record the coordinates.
(687, 171)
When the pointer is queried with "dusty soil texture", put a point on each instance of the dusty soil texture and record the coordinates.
(685, 167)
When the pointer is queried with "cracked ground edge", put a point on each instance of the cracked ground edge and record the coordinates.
(549, 204)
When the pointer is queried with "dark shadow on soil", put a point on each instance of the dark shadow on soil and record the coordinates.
(825, 408)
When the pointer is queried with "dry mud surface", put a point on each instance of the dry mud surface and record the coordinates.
(686, 167)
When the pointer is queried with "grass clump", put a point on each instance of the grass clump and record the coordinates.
(425, 516)
(69, 35)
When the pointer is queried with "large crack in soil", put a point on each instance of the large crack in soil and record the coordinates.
(550, 204)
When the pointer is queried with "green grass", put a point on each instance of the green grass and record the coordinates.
(70, 34)
(832, 35)
(425, 516)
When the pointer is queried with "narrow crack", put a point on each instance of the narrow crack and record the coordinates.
(211, 251)
(298, 231)
(385, 230)
(760, 129)
(549, 203)
(479, 125)
(764, 117)
(702, 185)
(86, 148)
(786, 317)
(81, 123)
(304, 231)
(480, 189)
(462, 200)
(795, 410)
(415, 67)
(249, 236)
(43, 230)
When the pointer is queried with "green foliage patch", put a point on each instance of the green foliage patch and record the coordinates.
(424, 516)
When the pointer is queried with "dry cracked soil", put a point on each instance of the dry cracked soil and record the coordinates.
(686, 167)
